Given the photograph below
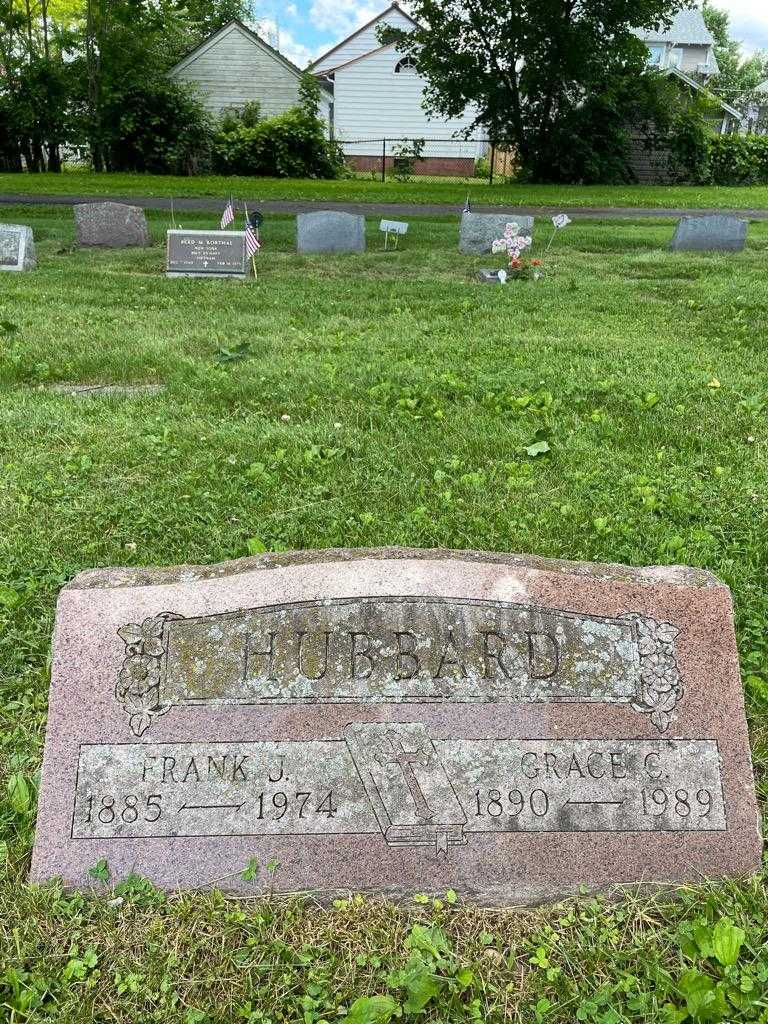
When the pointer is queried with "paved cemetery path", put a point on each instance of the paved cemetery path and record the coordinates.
(214, 205)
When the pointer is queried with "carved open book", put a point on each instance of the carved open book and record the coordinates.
(408, 787)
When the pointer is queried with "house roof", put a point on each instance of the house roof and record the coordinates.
(354, 60)
(688, 28)
(392, 7)
(677, 73)
(763, 87)
(254, 37)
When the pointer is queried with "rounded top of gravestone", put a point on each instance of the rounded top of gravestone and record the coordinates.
(651, 576)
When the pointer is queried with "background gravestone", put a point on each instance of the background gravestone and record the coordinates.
(17, 247)
(717, 233)
(330, 231)
(479, 230)
(110, 226)
(397, 721)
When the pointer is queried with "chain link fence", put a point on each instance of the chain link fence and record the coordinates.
(408, 159)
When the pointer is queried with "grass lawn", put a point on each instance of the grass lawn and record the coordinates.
(412, 393)
(362, 190)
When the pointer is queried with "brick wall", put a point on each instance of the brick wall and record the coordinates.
(438, 166)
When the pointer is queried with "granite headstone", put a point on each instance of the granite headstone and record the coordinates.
(397, 721)
(478, 231)
(206, 254)
(17, 247)
(110, 226)
(717, 233)
(330, 231)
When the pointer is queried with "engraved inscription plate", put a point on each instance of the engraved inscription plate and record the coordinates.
(398, 650)
(206, 254)
(395, 781)
(397, 721)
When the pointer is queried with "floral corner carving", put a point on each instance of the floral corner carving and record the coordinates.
(660, 689)
(138, 682)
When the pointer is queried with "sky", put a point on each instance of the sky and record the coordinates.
(306, 28)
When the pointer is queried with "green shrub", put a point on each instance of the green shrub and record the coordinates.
(689, 145)
(738, 160)
(291, 145)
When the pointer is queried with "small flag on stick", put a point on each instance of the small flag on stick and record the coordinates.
(252, 243)
(467, 205)
(229, 214)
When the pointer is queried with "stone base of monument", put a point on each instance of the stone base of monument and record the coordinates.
(17, 247)
(397, 721)
(207, 254)
(110, 226)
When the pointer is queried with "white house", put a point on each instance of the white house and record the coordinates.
(235, 66)
(686, 52)
(687, 46)
(378, 99)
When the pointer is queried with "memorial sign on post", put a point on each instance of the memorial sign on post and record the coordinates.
(207, 254)
(397, 721)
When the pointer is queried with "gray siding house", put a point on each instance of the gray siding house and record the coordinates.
(235, 66)
(687, 46)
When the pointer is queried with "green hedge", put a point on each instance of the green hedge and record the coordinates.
(291, 145)
(738, 160)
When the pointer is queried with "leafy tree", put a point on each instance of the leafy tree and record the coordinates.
(528, 66)
(738, 76)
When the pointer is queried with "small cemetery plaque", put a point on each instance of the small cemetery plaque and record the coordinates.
(397, 721)
(716, 233)
(110, 226)
(492, 276)
(479, 230)
(396, 228)
(330, 231)
(207, 254)
(17, 247)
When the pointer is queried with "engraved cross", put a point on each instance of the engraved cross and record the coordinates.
(405, 760)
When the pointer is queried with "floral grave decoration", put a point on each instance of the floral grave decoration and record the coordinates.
(521, 266)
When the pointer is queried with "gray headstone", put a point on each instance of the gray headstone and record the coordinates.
(397, 721)
(17, 247)
(479, 230)
(110, 226)
(330, 231)
(206, 254)
(718, 233)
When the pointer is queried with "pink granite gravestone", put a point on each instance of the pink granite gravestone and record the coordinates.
(397, 721)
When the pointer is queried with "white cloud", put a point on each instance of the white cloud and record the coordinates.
(748, 22)
(340, 16)
(284, 41)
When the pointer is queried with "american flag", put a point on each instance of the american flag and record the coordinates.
(252, 243)
(229, 214)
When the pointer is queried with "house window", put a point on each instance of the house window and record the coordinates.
(676, 57)
(655, 56)
(406, 64)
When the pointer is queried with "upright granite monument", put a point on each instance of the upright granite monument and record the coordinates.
(110, 226)
(478, 231)
(397, 721)
(17, 247)
(715, 233)
(330, 231)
